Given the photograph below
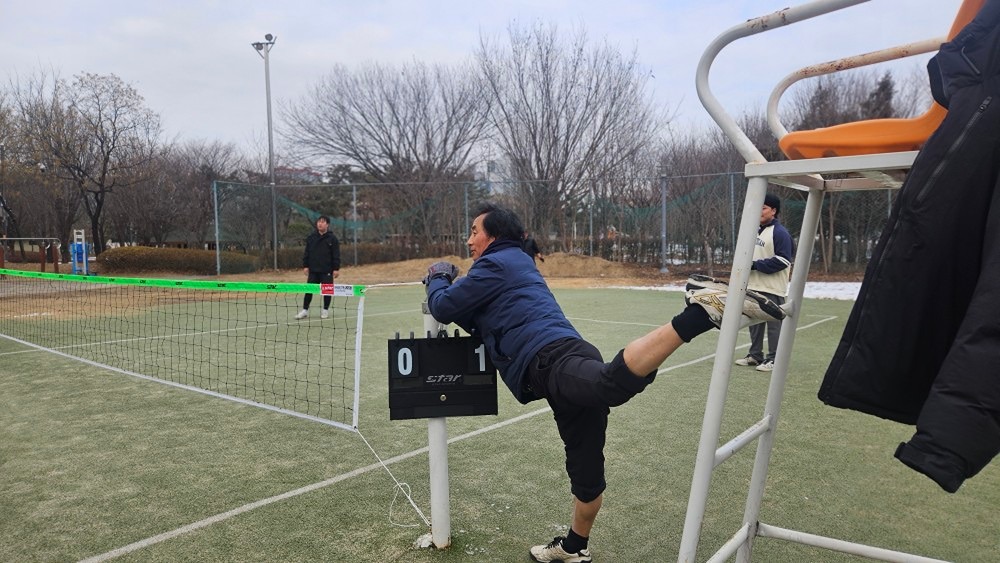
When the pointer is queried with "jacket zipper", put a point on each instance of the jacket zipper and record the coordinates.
(953, 149)
(863, 303)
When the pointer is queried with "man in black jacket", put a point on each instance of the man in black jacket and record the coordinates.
(321, 263)
(530, 247)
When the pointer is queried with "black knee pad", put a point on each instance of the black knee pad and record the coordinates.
(588, 494)
(625, 378)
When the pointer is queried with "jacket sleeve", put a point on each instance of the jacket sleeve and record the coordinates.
(458, 302)
(305, 253)
(782, 253)
(335, 253)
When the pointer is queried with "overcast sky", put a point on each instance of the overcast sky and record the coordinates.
(193, 63)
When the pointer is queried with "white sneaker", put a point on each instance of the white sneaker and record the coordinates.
(766, 366)
(748, 361)
(554, 552)
(302, 314)
(710, 294)
(325, 314)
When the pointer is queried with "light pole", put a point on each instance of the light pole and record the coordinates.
(263, 49)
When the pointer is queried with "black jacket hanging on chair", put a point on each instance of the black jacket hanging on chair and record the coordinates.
(922, 344)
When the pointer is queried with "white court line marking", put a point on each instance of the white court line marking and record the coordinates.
(343, 477)
(144, 338)
(611, 322)
(187, 387)
(747, 345)
(294, 493)
(185, 334)
(388, 313)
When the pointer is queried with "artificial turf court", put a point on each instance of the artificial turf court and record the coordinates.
(97, 464)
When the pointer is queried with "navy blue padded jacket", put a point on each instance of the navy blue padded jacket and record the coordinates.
(505, 301)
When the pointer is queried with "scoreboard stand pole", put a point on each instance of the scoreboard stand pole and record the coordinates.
(437, 444)
(435, 377)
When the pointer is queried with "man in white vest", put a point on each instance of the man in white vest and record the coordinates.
(772, 259)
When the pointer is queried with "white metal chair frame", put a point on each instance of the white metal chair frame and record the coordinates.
(806, 175)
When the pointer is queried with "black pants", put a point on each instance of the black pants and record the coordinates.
(581, 389)
(318, 277)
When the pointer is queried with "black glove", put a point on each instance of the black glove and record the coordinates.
(441, 269)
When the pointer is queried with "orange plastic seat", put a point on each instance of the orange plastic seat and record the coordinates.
(871, 136)
(875, 136)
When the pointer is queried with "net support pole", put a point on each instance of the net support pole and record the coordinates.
(663, 224)
(437, 445)
(215, 211)
(354, 219)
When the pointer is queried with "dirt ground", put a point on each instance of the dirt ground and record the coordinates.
(559, 269)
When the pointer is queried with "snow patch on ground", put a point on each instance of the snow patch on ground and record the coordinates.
(845, 291)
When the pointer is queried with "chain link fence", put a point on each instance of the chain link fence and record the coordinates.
(688, 221)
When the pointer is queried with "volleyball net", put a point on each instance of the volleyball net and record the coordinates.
(233, 340)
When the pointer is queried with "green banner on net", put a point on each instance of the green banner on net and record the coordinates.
(340, 290)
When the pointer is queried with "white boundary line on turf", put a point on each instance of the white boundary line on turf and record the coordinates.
(143, 339)
(747, 345)
(612, 322)
(344, 476)
(171, 336)
(184, 334)
(248, 402)
(294, 493)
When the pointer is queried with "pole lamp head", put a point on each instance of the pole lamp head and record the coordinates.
(268, 37)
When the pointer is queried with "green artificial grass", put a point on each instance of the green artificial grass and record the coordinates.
(92, 461)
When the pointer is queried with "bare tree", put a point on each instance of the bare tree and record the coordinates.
(565, 114)
(398, 124)
(412, 124)
(625, 210)
(39, 204)
(149, 210)
(44, 203)
(842, 98)
(95, 132)
(199, 163)
(7, 135)
(695, 160)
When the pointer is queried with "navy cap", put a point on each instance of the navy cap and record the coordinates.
(773, 202)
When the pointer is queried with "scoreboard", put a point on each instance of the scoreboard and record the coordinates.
(440, 377)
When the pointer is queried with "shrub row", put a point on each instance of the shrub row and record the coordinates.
(180, 260)
(202, 262)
